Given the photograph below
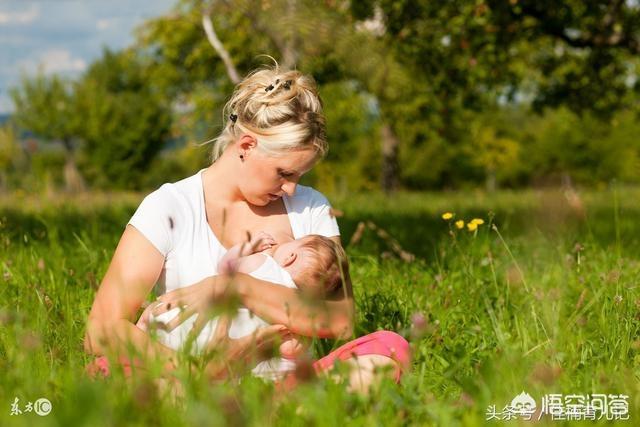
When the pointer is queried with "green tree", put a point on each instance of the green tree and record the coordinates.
(12, 156)
(125, 120)
(47, 107)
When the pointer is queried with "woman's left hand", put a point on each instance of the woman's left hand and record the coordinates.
(199, 298)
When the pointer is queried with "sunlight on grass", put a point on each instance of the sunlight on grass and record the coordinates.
(536, 298)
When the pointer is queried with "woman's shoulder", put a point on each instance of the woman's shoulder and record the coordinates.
(310, 213)
(308, 196)
(185, 190)
(181, 199)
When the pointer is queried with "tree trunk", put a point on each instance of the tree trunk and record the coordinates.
(390, 169)
(490, 183)
(73, 181)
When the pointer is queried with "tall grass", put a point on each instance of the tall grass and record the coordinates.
(547, 301)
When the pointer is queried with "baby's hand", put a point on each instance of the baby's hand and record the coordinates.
(261, 241)
(291, 349)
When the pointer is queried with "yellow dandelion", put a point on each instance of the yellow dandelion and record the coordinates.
(447, 216)
(472, 226)
(477, 221)
(460, 223)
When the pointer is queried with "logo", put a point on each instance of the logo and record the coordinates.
(523, 404)
(571, 407)
(42, 406)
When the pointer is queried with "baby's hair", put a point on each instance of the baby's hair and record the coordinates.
(282, 109)
(328, 266)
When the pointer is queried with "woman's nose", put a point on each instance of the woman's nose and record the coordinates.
(289, 188)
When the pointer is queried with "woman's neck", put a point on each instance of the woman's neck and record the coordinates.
(219, 182)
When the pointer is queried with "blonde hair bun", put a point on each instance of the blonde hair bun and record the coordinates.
(282, 109)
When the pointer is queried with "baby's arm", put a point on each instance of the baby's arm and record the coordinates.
(230, 261)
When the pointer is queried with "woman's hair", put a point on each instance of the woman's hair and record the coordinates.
(282, 109)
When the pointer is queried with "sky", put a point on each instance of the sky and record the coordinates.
(64, 36)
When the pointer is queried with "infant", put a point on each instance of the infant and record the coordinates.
(314, 264)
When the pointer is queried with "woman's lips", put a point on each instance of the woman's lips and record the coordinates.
(273, 196)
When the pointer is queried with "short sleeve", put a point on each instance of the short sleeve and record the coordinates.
(323, 222)
(310, 213)
(155, 218)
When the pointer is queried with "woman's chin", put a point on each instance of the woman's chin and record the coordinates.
(259, 201)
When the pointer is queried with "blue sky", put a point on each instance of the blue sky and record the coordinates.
(64, 36)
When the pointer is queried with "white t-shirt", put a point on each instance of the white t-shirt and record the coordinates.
(173, 219)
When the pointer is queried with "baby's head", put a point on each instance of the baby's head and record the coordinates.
(316, 263)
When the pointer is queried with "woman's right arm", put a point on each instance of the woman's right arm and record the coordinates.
(134, 269)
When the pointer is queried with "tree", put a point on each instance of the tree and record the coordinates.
(125, 120)
(319, 38)
(11, 154)
(47, 107)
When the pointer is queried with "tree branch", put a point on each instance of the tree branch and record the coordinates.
(219, 48)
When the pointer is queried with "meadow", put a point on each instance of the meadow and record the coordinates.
(542, 297)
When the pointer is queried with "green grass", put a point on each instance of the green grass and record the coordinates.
(547, 302)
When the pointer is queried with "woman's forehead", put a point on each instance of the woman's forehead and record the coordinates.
(298, 160)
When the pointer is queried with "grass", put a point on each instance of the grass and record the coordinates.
(547, 301)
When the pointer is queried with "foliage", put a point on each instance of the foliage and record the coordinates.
(437, 95)
(46, 106)
(125, 121)
(547, 306)
(12, 158)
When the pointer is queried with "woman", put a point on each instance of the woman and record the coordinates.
(274, 133)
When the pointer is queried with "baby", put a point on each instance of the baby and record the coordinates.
(314, 264)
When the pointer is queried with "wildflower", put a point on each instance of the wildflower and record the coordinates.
(477, 221)
(472, 226)
(460, 223)
(447, 216)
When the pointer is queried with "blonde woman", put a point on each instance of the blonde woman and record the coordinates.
(274, 133)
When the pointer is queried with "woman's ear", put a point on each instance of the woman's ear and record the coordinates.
(290, 259)
(246, 143)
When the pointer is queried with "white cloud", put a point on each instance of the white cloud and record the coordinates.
(54, 61)
(104, 24)
(22, 17)
(60, 60)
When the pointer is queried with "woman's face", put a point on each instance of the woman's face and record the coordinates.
(266, 178)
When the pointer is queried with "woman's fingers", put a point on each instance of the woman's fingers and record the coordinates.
(269, 334)
(221, 334)
(185, 313)
(144, 317)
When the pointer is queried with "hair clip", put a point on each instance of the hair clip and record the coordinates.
(287, 84)
(233, 117)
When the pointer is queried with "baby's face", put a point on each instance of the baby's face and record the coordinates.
(290, 253)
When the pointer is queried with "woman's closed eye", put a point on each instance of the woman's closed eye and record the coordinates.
(285, 174)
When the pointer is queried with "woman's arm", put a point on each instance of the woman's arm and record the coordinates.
(274, 303)
(331, 318)
(134, 269)
(289, 307)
